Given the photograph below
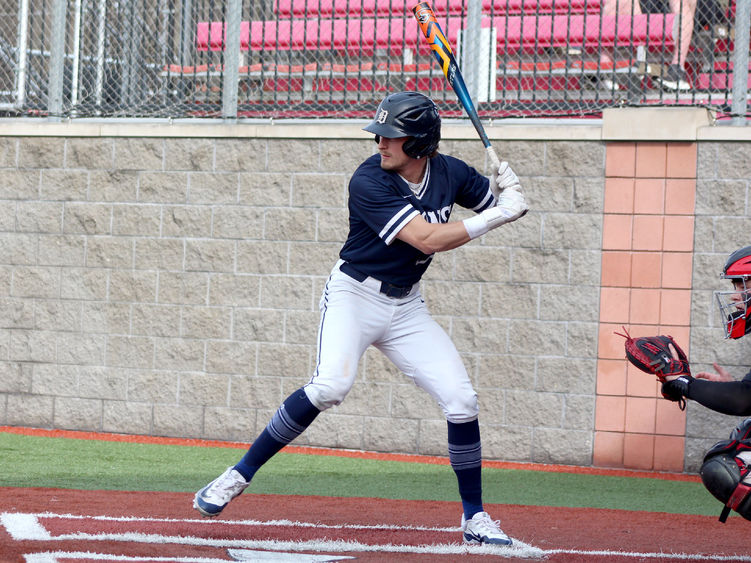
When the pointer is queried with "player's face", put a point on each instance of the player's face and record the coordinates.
(392, 153)
(741, 295)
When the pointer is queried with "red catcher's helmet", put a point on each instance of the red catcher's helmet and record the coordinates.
(735, 306)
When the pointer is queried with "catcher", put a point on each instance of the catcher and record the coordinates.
(718, 391)
(726, 470)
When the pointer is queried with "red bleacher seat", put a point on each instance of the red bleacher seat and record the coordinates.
(394, 35)
(358, 36)
(370, 8)
(720, 78)
(591, 31)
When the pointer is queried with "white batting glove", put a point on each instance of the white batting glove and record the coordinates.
(511, 203)
(510, 207)
(504, 178)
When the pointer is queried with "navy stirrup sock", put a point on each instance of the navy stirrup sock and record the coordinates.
(465, 456)
(288, 422)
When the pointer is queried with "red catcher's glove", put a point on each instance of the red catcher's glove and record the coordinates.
(658, 355)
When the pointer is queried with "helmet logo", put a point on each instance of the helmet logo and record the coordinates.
(382, 116)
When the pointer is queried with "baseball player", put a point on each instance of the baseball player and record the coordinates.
(726, 468)
(718, 391)
(400, 202)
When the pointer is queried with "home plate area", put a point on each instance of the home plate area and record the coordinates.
(35, 527)
(60, 537)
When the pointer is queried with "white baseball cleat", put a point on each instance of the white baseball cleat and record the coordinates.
(212, 499)
(482, 529)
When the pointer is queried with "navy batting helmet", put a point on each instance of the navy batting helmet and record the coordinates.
(735, 306)
(408, 114)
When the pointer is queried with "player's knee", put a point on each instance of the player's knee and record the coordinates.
(325, 395)
(461, 407)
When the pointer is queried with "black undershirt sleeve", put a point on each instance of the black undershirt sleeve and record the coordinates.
(727, 397)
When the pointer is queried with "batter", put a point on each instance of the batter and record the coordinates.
(400, 204)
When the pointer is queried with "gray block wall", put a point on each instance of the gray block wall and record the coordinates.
(723, 224)
(164, 279)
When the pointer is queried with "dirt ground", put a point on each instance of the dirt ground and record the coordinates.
(61, 525)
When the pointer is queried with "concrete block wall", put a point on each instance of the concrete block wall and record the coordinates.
(164, 279)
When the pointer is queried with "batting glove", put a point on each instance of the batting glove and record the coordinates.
(504, 178)
(510, 207)
(511, 203)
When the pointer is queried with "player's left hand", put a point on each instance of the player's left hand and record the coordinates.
(504, 179)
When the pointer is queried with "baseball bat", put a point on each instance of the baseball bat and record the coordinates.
(442, 50)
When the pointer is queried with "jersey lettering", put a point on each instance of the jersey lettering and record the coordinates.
(440, 216)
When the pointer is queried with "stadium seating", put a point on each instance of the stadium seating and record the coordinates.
(363, 36)
(371, 8)
(531, 48)
(719, 78)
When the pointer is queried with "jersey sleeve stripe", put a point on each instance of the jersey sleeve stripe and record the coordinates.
(397, 223)
(484, 203)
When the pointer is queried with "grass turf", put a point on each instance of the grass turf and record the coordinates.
(32, 461)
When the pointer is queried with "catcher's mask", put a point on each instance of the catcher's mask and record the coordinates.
(726, 471)
(408, 114)
(734, 305)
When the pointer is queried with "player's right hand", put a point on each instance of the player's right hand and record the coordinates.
(721, 375)
(511, 204)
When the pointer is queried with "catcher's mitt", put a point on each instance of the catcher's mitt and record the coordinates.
(658, 355)
(653, 354)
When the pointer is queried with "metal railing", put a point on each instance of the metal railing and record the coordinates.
(338, 58)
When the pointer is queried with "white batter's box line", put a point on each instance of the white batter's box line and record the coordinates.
(22, 526)
(517, 550)
(277, 557)
(27, 526)
(253, 523)
(64, 556)
(652, 555)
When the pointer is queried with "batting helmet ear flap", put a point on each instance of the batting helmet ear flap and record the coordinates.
(425, 145)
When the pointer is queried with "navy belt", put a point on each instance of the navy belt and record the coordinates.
(386, 288)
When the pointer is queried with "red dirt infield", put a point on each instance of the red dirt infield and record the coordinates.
(60, 525)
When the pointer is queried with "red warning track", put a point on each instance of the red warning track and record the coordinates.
(83, 526)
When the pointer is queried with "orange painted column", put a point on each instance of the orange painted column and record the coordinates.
(647, 253)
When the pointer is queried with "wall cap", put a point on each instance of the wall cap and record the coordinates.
(653, 124)
(618, 124)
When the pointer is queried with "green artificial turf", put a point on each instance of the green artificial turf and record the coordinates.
(30, 461)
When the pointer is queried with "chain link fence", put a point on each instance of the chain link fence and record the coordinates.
(338, 58)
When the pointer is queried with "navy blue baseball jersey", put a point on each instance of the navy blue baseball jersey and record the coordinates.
(381, 203)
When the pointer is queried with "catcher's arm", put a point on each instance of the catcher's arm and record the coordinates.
(726, 397)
